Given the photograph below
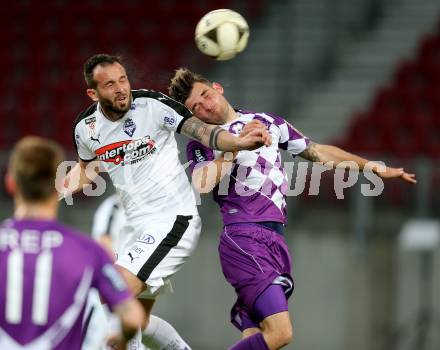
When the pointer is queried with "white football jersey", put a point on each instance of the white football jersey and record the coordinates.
(140, 154)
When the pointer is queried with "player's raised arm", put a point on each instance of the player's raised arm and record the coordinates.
(204, 180)
(337, 157)
(215, 137)
(82, 174)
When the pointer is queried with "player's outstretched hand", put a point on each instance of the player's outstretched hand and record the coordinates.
(392, 173)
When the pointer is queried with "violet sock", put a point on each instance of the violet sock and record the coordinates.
(254, 342)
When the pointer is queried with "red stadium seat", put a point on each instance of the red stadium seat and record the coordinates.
(406, 113)
(51, 50)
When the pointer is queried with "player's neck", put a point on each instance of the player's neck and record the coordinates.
(110, 115)
(46, 210)
(231, 116)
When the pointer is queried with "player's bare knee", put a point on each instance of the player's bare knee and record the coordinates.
(277, 331)
(287, 336)
(276, 341)
(277, 338)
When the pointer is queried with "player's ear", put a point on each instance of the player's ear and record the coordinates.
(11, 186)
(218, 87)
(92, 94)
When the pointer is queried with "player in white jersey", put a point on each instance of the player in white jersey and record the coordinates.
(108, 221)
(253, 253)
(131, 133)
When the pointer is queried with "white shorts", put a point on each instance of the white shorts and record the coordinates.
(156, 250)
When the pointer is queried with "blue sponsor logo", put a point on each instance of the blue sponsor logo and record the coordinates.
(170, 120)
(146, 239)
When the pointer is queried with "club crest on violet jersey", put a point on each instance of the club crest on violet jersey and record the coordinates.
(236, 127)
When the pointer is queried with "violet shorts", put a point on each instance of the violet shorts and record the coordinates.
(253, 257)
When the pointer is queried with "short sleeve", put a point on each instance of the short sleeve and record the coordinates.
(108, 281)
(291, 140)
(173, 113)
(84, 153)
(197, 153)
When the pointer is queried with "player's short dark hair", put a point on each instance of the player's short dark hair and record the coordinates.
(33, 165)
(101, 59)
(182, 84)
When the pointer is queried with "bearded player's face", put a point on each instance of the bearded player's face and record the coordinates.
(113, 89)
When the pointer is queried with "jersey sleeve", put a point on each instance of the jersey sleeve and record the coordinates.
(84, 153)
(196, 153)
(173, 113)
(108, 281)
(291, 140)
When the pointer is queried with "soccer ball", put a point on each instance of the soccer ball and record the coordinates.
(222, 34)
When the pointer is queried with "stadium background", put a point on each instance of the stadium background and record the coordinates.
(363, 74)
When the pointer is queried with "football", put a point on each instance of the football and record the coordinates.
(222, 34)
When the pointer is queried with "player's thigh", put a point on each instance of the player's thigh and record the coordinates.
(135, 285)
(277, 329)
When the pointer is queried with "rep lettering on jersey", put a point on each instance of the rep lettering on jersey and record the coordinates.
(127, 152)
(30, 241)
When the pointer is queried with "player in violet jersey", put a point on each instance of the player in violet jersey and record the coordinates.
(253, 252)
(46, 268)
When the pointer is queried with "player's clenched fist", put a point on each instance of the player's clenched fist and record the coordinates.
(255, 127)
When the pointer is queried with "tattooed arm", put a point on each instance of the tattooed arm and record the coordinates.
(316, 152)
(338, 158)
(217, 138)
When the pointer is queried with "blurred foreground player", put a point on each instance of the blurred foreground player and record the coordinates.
(253, 252)
(46, 268)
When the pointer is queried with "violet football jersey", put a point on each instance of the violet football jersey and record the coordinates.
(256, 189)
(46, 272)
